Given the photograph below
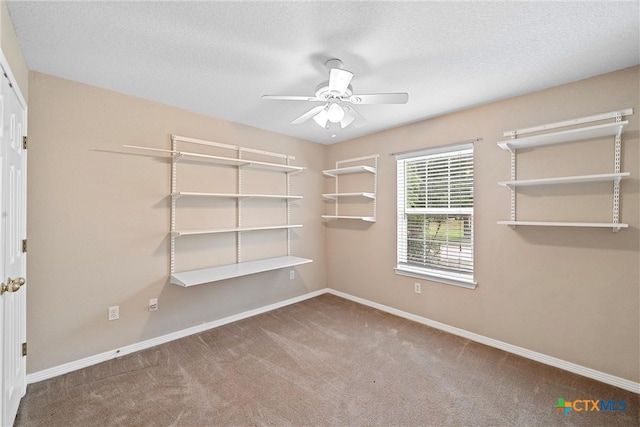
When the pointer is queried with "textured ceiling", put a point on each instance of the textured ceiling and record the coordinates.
(218, 58)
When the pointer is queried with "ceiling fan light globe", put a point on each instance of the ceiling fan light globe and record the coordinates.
(335, 113)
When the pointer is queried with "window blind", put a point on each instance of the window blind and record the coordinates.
(435, 214)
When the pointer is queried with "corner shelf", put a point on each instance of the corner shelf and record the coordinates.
(613, 129)
(367, 165)
(240, 267)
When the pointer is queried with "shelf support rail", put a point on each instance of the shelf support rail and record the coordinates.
(174, 180)
(288, 201)
(616, 183)
(512, 188)
(239, 205)
(375, 187)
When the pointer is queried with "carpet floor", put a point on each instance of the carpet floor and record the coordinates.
(321, 362)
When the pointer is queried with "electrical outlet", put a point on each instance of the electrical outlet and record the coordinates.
(417, 288)
(292, 274)
(114, 312)
(153, 304)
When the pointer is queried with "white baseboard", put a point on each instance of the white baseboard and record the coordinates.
(533, 355)
(112, 354)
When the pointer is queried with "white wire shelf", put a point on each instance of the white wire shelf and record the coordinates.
(178, 233)
(220, 160)
(334, 196)
(615, 177)
(566, 224)
(230, 271)
(348, 170)
(206, 158)
(597, 131)
(361, 218)
(234, 196)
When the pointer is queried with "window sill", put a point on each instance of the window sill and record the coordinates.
(419, 274)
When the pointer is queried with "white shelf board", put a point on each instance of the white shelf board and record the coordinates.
(348, 170)
(597, 131)
(197, 157)
(214, 274)
(361, 218)
(566, 224)
(178, 233)
(207, 158)
(566, 180)
(234, 196)
(334, 196)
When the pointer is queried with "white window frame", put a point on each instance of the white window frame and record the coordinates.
(449, 276)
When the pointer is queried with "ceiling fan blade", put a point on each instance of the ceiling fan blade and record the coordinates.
(306, 116)
(339, 79)
(380, 98)
(322, 118)
(291, 98)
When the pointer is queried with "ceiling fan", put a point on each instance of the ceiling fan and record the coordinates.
(336, 94)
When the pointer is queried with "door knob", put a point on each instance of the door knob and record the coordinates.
(12, 285)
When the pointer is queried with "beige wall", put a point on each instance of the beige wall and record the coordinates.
(99, 215)
(11, 50)
(571, 293)
(98, 221)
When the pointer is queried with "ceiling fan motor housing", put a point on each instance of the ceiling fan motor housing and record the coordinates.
(324, 92)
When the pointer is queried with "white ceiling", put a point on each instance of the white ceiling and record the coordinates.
(218, 58)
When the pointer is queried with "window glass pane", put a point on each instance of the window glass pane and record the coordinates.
(440, 241)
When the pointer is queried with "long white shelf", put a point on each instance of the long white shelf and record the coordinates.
(334, 196)
(207, 158)
(597, 131)
(565, 180)
(348, 170)
(566, 224)
(214, 274)
(361, 218)
(178, 233)
(196, 157)
(234, 196)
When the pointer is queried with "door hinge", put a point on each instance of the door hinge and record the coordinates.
(24, 142)
(24, 245)
(24, 348)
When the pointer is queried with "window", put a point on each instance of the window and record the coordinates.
(435, 215)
